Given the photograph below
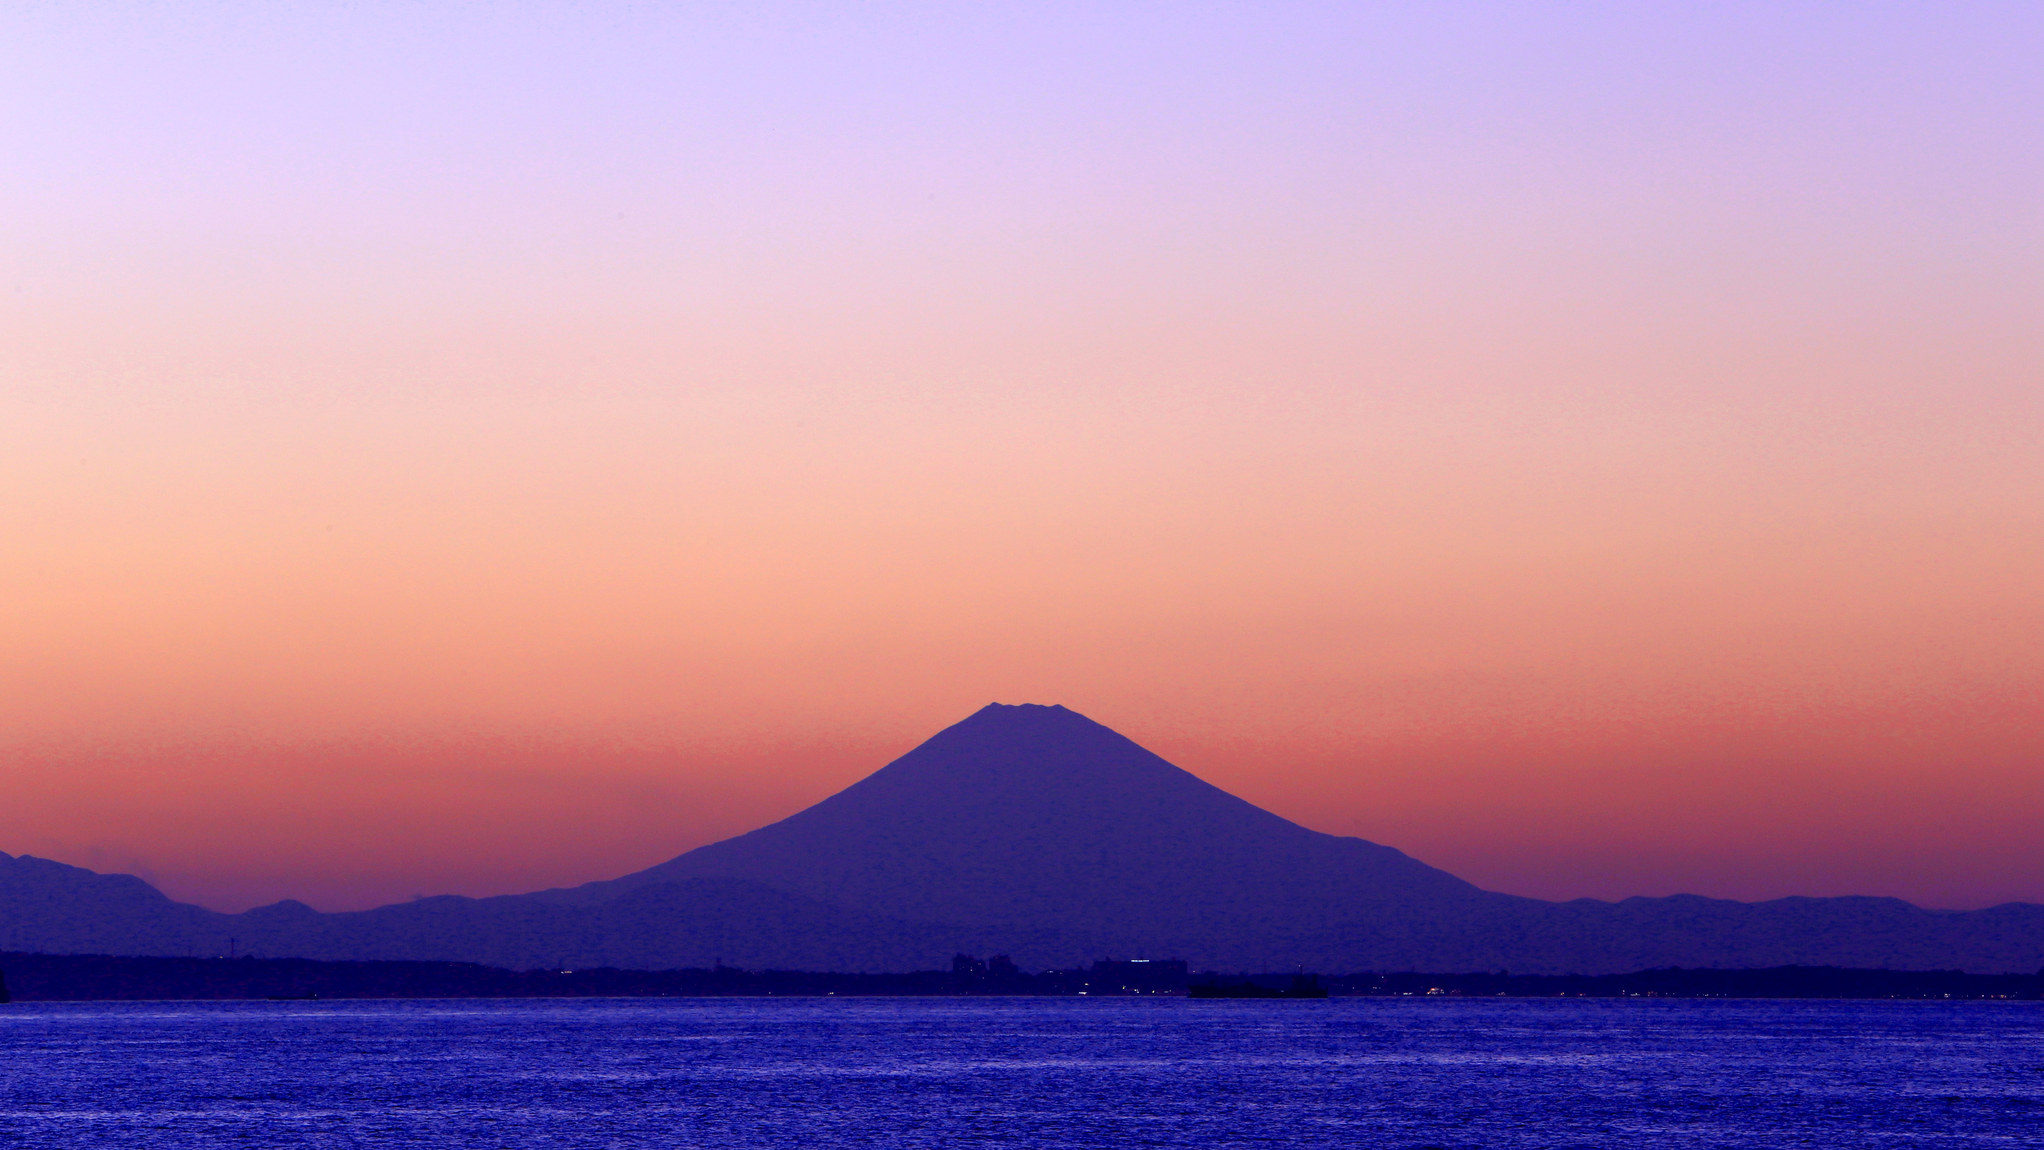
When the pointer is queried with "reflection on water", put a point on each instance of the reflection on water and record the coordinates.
(1023, 1072)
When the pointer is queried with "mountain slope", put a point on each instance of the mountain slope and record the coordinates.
(53, 908)
(1036, 817)
(62, 909)
(1036, 832)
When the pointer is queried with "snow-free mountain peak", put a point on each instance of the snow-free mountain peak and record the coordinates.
(1036, 817)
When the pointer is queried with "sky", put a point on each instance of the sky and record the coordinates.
(1595, 448)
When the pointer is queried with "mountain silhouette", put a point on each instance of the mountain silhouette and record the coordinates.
(1023, 815)
(1034, 831)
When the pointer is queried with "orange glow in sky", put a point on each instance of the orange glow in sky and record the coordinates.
(1597, 453)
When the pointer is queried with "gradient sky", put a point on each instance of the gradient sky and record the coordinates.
(1597, 449)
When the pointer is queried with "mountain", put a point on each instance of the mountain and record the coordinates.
(1026, 817)
(1033, 831)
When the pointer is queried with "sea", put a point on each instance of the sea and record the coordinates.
(1023, 1072)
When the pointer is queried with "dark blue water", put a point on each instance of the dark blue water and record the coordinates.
(1023, 1072)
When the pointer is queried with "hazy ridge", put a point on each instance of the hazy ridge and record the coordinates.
(1035, 832)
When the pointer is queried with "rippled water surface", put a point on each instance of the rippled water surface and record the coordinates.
(1022, 1072)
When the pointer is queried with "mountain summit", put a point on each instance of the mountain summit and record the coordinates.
(1036, 832)
(1032, 817)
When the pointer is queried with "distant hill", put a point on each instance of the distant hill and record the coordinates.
(1036, 832)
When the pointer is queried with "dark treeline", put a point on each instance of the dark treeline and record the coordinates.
(1771, 982)
(55, 978)
(77, 978)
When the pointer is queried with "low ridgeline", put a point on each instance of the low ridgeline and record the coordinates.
(85, 978)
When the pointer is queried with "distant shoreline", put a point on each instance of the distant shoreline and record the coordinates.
(32, 977)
